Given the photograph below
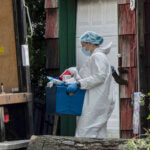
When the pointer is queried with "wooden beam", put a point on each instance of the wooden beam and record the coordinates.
(29, 119)
(14, 98)
(10, 145)
(67, 143)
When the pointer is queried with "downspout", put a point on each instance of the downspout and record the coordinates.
(25, 54)
(25, 49)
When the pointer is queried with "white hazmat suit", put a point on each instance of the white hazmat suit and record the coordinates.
(96, 77)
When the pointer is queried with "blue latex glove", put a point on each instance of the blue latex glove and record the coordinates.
(60, 83)
(50, 78)
(72, 88)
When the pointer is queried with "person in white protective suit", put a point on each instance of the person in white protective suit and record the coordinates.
(96, 77)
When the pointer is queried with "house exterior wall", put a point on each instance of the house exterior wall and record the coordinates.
(100, 16)
(95, 15)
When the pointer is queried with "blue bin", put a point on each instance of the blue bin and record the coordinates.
(59, 102)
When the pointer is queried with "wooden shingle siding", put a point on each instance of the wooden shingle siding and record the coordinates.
(126, 111)
(51, 23)
(128, 50)
(126, 134)
(52, 54)
(51, 35)
(128, 46)
(131, 77)
(127, 21)
(51, 4)
(123, 1)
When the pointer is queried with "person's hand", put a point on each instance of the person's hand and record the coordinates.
(72, 87)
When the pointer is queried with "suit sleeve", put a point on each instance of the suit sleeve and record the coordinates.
(98, 69)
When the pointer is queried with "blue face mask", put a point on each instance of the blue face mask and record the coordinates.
(87, 53)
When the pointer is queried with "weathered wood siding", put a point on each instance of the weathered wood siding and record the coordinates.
(52, 55)
(51, 34)
(128, 50)
(51, 4)
(123, 1)
(51, 23)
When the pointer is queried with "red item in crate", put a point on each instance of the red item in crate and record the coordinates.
(66, 72)
(6, 116)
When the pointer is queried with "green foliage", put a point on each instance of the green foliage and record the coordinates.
(142, 101)
(130, 145)
(148, 118)
(142, 143)
(37, 43)
(135, 144)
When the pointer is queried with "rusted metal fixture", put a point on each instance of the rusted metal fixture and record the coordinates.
(117, 78)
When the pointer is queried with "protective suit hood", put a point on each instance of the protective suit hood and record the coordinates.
(106, 49)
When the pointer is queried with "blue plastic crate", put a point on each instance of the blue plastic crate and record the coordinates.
(59, 102)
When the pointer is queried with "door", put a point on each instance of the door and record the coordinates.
(100, 16)
(67, 23)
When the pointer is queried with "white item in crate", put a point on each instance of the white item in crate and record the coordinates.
(71, 80)
(66, 77)
(50, 84)
(74, 73)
